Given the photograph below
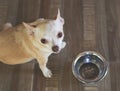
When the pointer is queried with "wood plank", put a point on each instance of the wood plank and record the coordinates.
(3, 12)
(89, 21)
(102, 41)
(113, 20)
(90, 88)
(25, 77)
(74, 37)
(12, 11)
(16, 78)
(29, 10)
(6, 73)
(39, 80)
(45, 8)
(115, 76)
(89, 25)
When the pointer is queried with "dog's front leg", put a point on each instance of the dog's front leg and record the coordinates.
(42, 64)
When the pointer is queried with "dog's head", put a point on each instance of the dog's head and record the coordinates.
(48, 33)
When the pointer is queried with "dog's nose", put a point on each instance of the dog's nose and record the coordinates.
(55, 48)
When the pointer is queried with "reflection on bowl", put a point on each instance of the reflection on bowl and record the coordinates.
(89, 67)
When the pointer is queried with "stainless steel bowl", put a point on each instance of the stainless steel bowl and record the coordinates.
(89, 67)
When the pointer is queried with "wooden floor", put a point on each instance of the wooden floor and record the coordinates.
(89, 25)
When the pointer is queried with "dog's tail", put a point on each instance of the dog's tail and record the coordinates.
(7, 26)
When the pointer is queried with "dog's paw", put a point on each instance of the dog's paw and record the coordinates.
(47, 73)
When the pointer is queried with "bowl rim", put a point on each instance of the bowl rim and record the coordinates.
(105, 71)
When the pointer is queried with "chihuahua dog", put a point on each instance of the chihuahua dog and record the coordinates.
(36, 40)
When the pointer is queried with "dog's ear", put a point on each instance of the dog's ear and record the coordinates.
(59, 18)
(30, 29)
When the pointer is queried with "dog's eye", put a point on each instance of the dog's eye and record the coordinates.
(59, 35)
(44, 41)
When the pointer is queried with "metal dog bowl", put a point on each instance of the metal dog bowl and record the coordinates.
(89, 67)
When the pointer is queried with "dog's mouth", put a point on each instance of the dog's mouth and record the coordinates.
(56, 52)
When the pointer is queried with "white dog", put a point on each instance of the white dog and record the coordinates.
(36, 40)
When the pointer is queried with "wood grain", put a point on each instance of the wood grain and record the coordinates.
(89, 25)
(3, 12)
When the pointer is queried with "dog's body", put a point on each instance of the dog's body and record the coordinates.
(36, 40)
